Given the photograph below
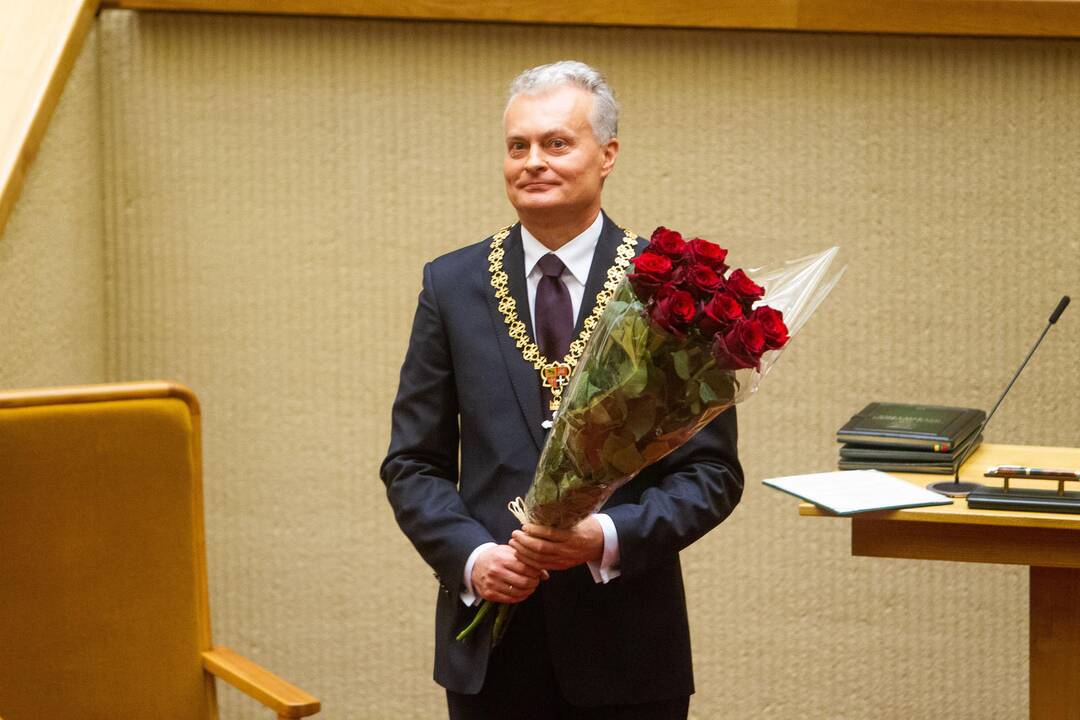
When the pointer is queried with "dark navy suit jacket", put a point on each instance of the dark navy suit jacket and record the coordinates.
(466, 392)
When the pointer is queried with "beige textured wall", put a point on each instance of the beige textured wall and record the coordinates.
(52, 310)
(273, 186)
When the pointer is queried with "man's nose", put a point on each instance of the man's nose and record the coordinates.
(535, 159)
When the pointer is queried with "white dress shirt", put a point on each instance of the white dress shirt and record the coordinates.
(577, 256)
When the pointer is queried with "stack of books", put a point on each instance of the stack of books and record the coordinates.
(898, 437)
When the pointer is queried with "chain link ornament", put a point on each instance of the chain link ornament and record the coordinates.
(554, 375)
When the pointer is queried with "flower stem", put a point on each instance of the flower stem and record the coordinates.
(502, 619)
(709, 365)
(485, 608)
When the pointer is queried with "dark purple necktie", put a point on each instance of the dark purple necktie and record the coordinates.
(554, 313)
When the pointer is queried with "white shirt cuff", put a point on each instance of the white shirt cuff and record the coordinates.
(467, 595)
(608, 568)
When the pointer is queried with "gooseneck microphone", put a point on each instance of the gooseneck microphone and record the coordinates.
(1062, 304)
(955, 488)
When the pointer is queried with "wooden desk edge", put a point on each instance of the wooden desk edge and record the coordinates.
(958, 512)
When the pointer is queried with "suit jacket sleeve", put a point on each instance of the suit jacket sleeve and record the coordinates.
(687, 494)
(421, 467)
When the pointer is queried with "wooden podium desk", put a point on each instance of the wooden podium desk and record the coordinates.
(1047, 542)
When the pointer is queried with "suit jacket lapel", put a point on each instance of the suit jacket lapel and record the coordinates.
(610, 237)
(523, 377)
(514, 265)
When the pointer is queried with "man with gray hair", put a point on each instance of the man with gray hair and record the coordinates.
(599, 626)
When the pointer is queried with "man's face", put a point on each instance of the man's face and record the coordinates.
(553, 161)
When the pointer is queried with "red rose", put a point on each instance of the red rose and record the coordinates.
(708, 253)
(772, 324)
(719, 314)
(653, 271)
(741, 346)
(743, 288)
(673, 310)
(669, 243)
(701, 280)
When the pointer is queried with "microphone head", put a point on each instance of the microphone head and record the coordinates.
(1064, 303)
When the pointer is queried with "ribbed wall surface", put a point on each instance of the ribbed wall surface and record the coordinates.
(273, 186)
(52, 311)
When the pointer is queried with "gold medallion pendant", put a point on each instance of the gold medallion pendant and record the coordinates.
(554, 375)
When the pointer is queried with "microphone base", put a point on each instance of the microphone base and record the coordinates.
(952, 488)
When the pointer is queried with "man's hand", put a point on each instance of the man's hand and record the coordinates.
(498, 575)
(551, 549)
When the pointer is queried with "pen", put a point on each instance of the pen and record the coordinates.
(1018, 471)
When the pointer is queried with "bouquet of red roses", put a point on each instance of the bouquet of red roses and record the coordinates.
(682, 339)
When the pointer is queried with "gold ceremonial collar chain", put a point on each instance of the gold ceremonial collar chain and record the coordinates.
(554, 375)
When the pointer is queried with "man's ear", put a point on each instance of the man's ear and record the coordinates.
(610, 151)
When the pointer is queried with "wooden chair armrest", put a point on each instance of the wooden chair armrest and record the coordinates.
(287, 700)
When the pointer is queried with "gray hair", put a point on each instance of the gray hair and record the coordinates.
(605, 111)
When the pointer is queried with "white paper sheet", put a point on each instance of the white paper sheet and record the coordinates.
(847, 492)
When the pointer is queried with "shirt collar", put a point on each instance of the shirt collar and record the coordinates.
(576, 255)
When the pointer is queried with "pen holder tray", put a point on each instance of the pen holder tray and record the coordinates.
(1026, 499)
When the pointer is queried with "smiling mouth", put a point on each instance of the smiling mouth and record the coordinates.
(537, 186)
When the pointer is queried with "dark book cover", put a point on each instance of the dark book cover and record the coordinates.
(929, 427)
(945, 466)
(907, 454)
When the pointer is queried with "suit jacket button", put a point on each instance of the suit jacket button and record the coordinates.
(442, 586)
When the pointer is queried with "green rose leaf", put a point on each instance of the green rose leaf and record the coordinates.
(641, 418)
(628, 460)
(707, 395)
(681, 361)
(637, 381)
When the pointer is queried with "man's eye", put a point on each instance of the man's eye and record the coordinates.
(558, 143)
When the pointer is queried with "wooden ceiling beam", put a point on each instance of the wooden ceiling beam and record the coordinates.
(1028, 18)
